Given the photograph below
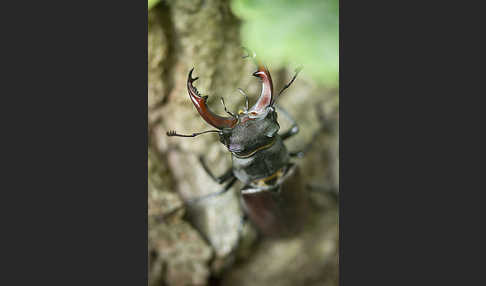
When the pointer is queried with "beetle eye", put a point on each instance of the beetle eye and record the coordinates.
(224, 136)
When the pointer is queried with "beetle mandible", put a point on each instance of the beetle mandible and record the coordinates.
(260, 159)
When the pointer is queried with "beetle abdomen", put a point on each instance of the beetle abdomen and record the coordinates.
(279, 210)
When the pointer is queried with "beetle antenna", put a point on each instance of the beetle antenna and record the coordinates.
(246, 97)
(225, 109)
(173, 133)
(297, 71)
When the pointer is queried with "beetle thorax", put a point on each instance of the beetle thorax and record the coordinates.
(251, 134)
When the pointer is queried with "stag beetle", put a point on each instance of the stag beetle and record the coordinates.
(260, 159)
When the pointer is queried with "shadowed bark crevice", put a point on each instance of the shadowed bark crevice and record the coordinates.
(172, 49)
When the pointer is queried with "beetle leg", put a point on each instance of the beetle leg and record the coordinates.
(323, 128)
(221, 179)
(301, 153)
(208, 196)
(289, 133)
(294, 129)
(201, 198)
(333, 192)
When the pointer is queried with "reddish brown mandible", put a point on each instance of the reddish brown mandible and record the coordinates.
(266, 97)
(199, 101)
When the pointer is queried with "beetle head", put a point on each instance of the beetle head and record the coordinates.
(250, 135)
(257, 126)
(251, 129)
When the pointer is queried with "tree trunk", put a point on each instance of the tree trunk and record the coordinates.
(188, 250)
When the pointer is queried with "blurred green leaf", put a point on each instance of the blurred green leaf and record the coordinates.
(293, 32)
(151, 3)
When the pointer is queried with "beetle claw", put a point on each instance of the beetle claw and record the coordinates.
(190, 76)
(266, 97)
(200, 103)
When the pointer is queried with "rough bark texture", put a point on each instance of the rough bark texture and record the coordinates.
(196, 249)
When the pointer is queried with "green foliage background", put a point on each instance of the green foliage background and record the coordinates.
(151, 3)
(291, 32)
(304, 32)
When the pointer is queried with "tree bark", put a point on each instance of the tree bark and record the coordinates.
(188, 250)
